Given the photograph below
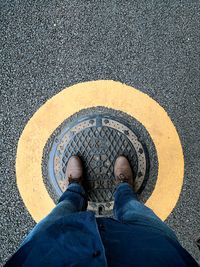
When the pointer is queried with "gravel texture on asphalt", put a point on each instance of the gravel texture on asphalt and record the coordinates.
(49, 45)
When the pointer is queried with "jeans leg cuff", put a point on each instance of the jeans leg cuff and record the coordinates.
(74, 188)
(121, 187)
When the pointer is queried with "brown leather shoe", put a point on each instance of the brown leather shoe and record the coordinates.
(122, 171)
(74, 170)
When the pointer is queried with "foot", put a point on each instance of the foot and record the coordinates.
(74, 170)
(122, 171)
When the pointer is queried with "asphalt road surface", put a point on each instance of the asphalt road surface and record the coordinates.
(49, 45)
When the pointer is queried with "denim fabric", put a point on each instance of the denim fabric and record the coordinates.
(71, 236)
(74, 199)
(78, 200)
(128, 209)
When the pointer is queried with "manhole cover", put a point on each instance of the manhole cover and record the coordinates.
(98, 140)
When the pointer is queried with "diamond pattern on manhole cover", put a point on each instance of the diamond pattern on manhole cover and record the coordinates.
(98, 140)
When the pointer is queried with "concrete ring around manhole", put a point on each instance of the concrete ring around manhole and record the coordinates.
(113, 95)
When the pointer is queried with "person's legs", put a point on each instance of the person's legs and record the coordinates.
(128, 209)
(127, 204)
(74, 199)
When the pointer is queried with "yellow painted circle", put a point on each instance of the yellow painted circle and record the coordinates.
(111, 95)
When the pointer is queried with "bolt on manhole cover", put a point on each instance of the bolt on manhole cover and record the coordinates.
(98, 140)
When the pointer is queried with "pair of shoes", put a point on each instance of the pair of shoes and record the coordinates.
(122, 171)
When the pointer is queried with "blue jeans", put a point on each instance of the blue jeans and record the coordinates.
(127, 209)
(72, 200)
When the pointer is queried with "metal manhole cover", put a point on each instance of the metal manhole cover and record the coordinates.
(98, 140)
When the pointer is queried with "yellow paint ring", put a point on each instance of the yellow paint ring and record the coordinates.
(112, 95)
